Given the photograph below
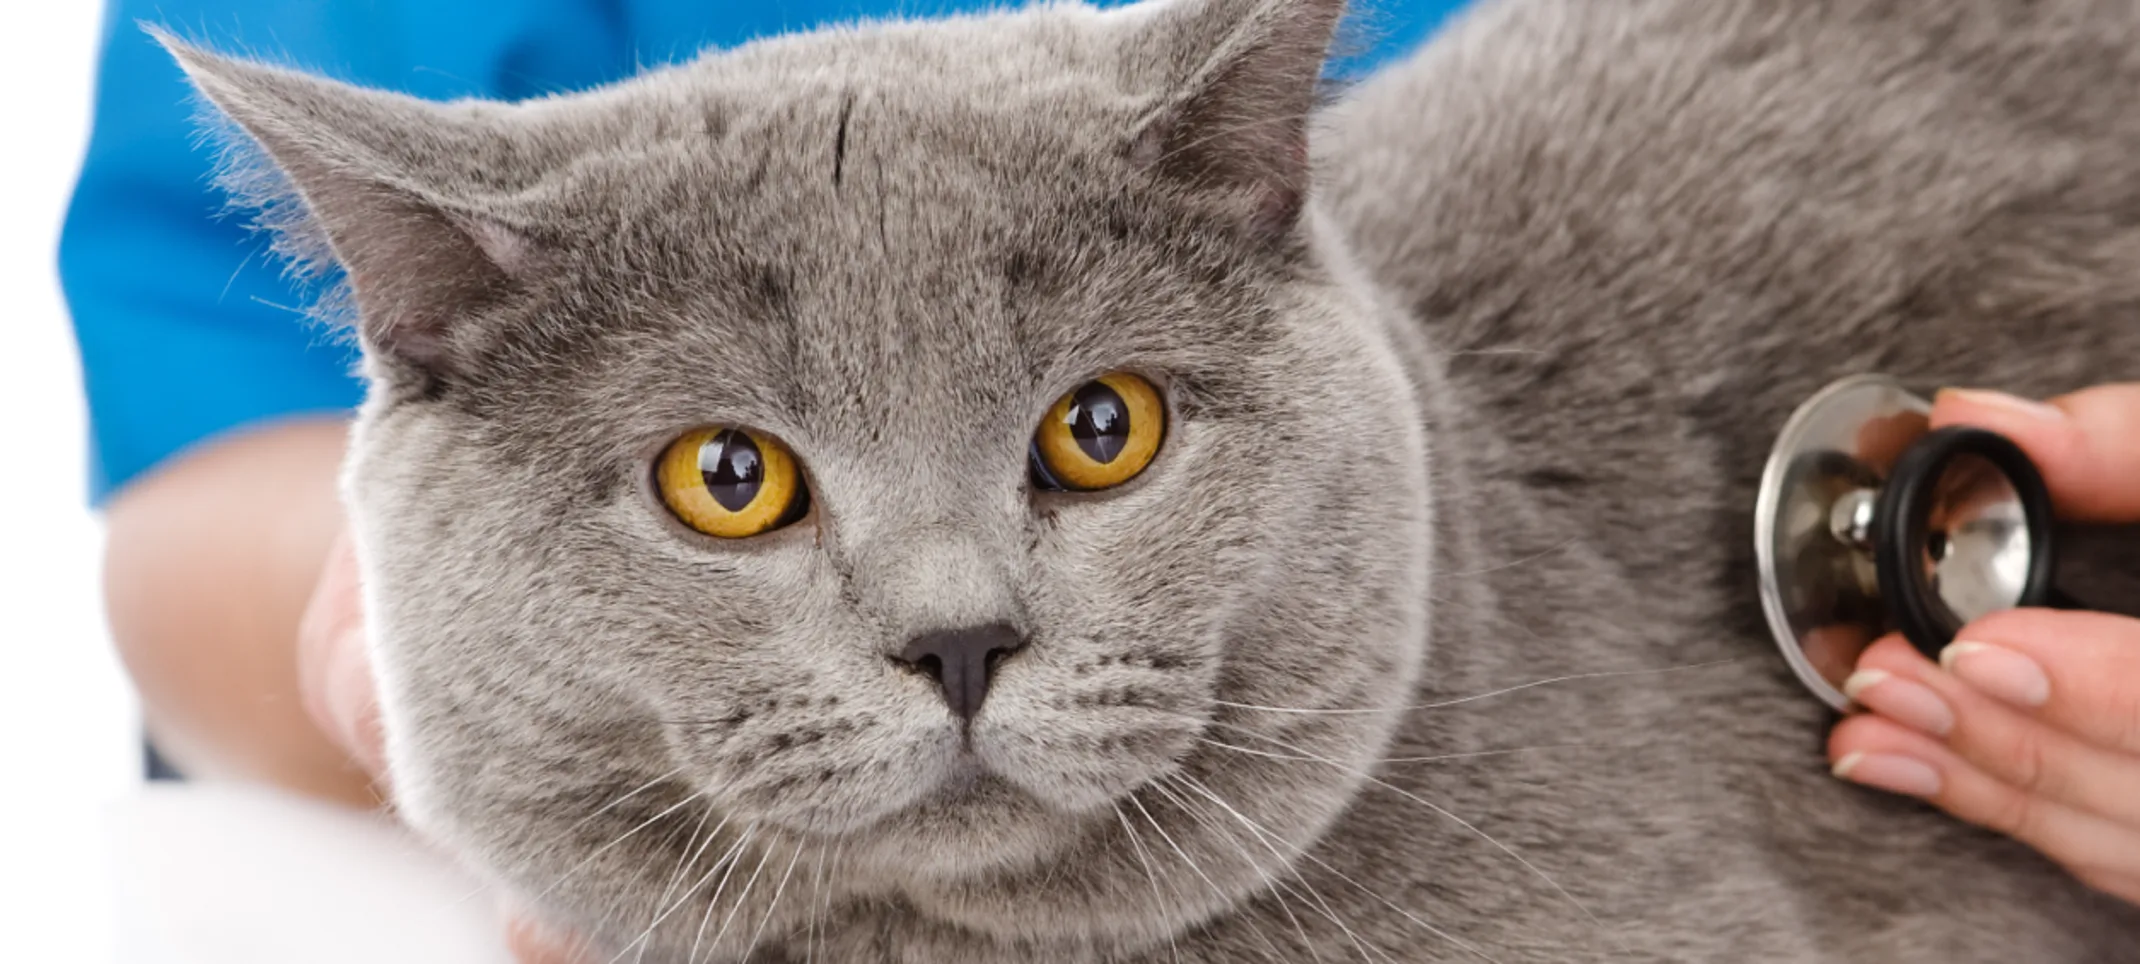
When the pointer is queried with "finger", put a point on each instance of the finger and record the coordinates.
(334, 664)
(2077, 671)
(2008, 745)
(330, 616)
(352, 698)
(365, 736)
(530, 943)
(2123, 886)
(2086, 443)
(1885, 755)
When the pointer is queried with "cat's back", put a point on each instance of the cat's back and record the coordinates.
(1634, 234)
(1696, 187)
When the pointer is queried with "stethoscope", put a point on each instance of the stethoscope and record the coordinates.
(1868, 522)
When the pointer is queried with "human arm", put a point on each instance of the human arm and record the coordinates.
(210, 562)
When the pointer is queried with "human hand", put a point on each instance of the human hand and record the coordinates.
(335, 676)
(2029, 724)
(334, 671)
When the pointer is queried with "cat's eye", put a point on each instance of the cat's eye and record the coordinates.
(1100, 435)
(731, 483)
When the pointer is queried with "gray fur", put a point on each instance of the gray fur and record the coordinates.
(1558, 280)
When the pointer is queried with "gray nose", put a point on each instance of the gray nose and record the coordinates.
(961, 661)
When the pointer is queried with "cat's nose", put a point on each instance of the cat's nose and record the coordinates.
(961, 661)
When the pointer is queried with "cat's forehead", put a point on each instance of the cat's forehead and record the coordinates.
(787, 136)
(849, 216)
(857, 208)
(1040, 50)
(862, 276)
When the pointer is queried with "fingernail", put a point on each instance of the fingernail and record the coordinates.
(1895, 774)
(1999, 672)
(2026, 408)
(1907, 702)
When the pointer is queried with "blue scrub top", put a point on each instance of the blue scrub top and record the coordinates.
(188, 329)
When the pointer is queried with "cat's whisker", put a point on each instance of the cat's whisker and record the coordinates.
(684, 865)
(1473, 352)
(625, 798)
(1450, 757)
(1211, 824)
(605, 848)
(644, 940)
(1264, 837)
(1195, 868)
(731, 860)
(1279, 881)
(1254, 925)
(1476, 697)
(824, 911)
(581, 822)
(1136, 844)
(1162, 831)
(292, 309)
(817, 895)
(1257, 829)
(774, 905)
(1280, 889)
(1579, 677)
(742, 896)
(1509, 751)
(1518, 563)
(1444, 812)
(1221, 133)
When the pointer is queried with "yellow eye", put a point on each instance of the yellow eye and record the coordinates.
(1099, 436)
(731, 483)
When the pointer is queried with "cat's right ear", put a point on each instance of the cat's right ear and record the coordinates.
(1245, 75)
(385, 186)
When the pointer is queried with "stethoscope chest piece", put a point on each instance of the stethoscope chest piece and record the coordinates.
(1870, 522)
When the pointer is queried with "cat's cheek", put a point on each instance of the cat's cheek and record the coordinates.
(412, 787)
(420, 803)
(867, 768)
(1077, 769)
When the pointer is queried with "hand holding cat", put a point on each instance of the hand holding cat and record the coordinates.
(333, 668)
(335, 676)
(2029, 724)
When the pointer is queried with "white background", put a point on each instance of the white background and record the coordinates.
(67, 721)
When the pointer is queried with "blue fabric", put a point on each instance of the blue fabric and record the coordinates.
(187, 329)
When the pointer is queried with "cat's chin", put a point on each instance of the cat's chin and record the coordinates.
(975, 822)
(969, 780)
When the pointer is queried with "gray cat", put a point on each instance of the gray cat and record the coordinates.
(762, 570)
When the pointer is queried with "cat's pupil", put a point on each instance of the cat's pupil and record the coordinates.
(732, 468)
(1099, 421)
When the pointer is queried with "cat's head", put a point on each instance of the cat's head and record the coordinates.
(1013, 375)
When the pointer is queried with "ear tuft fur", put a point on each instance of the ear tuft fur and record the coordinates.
(372, 183)
(1239, 122)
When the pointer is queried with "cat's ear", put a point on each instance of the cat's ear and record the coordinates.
(1237, 120)
(377, 183)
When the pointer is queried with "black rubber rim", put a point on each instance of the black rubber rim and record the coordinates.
(1903, 518)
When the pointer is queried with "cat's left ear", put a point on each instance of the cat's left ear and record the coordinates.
(389, 187)
(1237, 121)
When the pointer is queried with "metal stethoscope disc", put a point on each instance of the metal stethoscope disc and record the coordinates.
(1868, 522)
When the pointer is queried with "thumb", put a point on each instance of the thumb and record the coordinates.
(532, 943)
(2086, 443)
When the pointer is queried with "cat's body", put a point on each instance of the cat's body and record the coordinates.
(1570, 269)
(1630, 259)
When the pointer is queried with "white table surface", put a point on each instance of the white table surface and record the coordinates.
(225, 875)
